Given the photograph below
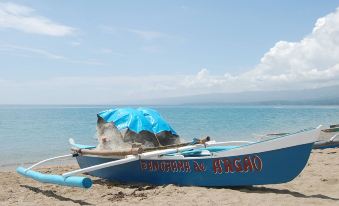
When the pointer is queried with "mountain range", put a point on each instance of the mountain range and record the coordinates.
(318, 96)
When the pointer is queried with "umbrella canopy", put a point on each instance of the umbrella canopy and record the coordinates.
(157, 121)
(137, 120)
(127, 118)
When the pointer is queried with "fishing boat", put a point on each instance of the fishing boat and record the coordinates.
(328, 137)
(197, 163)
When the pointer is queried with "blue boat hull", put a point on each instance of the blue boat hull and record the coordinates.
(271, 167)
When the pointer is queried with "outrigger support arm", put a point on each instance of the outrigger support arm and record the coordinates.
(67, 179)
(131, 159)
(83, 182)
(332, 138)
(53, 158)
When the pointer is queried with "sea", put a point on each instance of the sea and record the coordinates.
(32, 133)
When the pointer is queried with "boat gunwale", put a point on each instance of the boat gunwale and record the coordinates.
(241, 147)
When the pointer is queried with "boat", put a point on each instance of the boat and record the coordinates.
(328, 137)
(198, 163)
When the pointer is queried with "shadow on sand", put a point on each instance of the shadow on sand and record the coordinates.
(264, 190)
(139, 187)
(249, 189)
(142, 187)
(50, 193)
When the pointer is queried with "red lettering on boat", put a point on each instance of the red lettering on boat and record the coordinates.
(198, 167)
(168, 166)
(143, 165)
(181, 166)
(247, 164)
(155, 165)
(237, 164)
(162, 166)
(174, 166)
(257, 162)
(187, 166)
(227, 165)
(149, 165)
(216, 166)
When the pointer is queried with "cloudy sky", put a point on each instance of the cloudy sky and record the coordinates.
(85, 52)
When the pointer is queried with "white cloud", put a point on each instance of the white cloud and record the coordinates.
(314, 58)
(85, 90)
(147, 35)
(35, 52)
(108, 52)
(40, 52)
(90, 61)
(203, 79)
(311, 62)
(23, 18)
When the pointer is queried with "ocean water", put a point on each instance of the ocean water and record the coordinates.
(32, 133)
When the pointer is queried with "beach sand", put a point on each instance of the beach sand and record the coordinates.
(318, 184)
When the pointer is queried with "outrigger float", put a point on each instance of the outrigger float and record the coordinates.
(198, 163)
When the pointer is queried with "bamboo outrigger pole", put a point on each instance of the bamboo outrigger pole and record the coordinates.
(130, 159)
(136, 150)
(132, 151)
(68, 179)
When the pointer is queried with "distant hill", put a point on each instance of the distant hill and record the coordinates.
(319, 96)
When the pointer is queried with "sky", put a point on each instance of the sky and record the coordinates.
(106, 52)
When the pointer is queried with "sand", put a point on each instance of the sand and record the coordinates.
(318, 184)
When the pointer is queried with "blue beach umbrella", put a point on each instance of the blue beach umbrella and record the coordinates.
(137, 120)
(157, 121)
(127, 118)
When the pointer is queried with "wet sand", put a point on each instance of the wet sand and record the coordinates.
(318, 184)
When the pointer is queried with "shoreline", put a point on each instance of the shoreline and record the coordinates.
(12, 166)
(318, 184)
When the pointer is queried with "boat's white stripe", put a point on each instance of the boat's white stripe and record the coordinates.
(274, 144)
(300, 138)
(291, 140)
